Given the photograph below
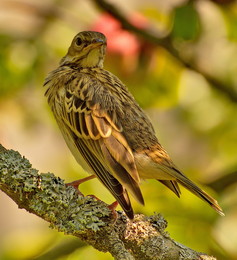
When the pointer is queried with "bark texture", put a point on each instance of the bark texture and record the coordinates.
(47, 196)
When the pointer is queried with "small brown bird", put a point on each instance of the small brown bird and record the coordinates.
(106, 130)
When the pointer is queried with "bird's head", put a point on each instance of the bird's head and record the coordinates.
(86, 50)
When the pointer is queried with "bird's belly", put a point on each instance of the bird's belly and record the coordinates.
(148, 169)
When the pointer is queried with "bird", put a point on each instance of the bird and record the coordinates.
(107, 131)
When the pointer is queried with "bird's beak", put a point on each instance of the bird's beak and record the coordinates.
(97, 43)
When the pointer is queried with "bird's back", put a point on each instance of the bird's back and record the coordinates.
(136, 125)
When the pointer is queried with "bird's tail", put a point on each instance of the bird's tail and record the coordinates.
(188, 184)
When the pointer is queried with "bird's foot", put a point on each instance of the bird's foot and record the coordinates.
(112, 207)
(76, 183)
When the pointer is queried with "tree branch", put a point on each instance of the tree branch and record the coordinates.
(223, 182)
(46, 196)
(166, 43)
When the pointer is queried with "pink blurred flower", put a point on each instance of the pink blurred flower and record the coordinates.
(119, 40)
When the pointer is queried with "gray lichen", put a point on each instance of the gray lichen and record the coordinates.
(48, 196)
(66, 210)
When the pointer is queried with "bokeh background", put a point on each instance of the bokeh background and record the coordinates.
(179, 59)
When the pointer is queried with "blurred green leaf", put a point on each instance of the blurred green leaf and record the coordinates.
(186, 24)
(230, 16)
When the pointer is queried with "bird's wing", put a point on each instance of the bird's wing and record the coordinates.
(90, 111)
(111, 183)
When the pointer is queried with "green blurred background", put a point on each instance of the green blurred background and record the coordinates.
(186, 80)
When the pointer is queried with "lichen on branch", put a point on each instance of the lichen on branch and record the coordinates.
(47, 196)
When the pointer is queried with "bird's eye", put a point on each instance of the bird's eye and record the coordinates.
(78, 41)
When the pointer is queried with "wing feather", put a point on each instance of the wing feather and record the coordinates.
(103, 126)
(82, 123)
(123, 176)
(99, 138)
(172, 185)
(92, 129)
(111, 183)
(121, 155)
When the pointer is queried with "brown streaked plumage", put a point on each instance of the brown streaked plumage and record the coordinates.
(107, 132)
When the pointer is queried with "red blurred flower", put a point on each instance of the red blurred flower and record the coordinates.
(119, 40)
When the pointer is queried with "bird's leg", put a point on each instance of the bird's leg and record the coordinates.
(112, 207)
(76, 183)
(93, 196)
